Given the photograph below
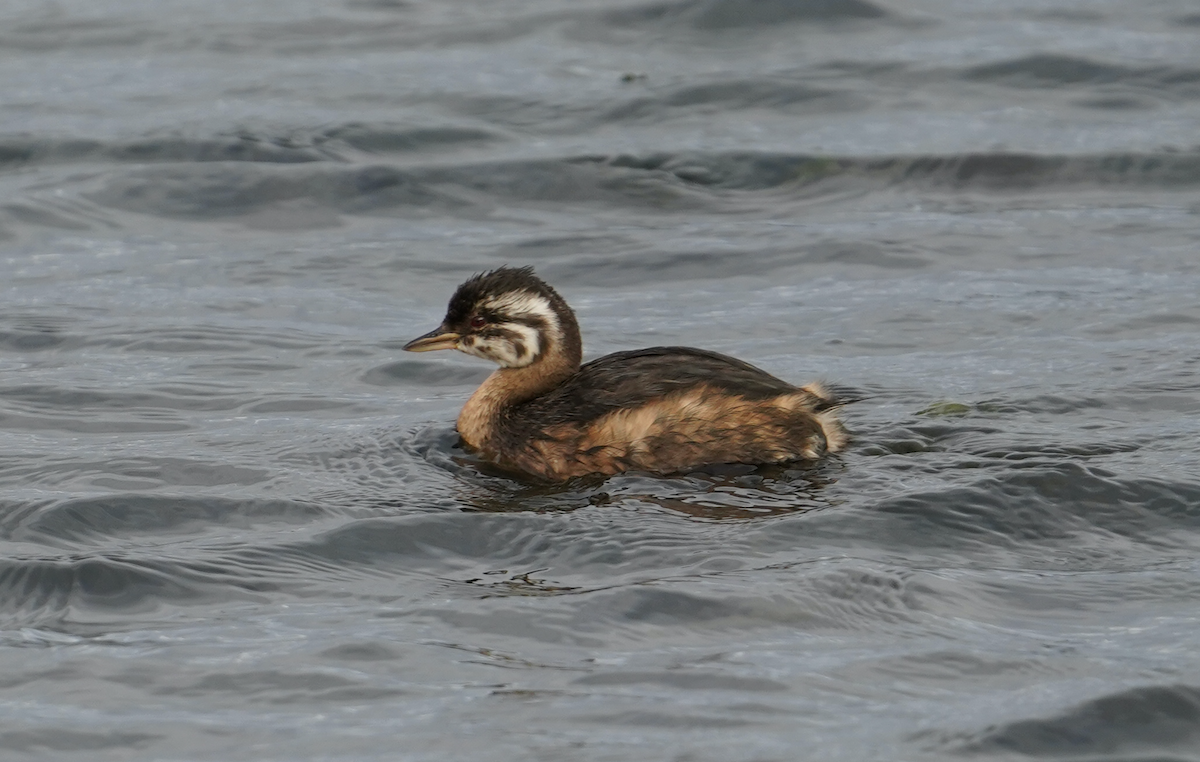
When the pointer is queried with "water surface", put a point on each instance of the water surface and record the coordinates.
(233, 521)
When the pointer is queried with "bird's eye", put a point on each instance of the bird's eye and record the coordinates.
(479, 321)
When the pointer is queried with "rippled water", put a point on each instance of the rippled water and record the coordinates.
(233, 522)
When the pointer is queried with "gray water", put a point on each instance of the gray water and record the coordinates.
(233, 522)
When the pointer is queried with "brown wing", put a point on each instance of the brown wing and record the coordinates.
(663, 409)
(631, 379)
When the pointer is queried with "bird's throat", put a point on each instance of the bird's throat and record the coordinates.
(507, 388)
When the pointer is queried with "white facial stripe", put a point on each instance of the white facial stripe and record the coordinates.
(505, 309)
(472, 345)
(501, 350)
(530, 340)
(521, 304)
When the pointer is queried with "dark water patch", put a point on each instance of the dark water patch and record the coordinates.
(48, 588)
(1055, 71)
(1118, 103)
(634, 265)
(1184, 321)
(688, 681)
(515, 624)
(521, 114)
(319, 32)
(141, 423)
(1043, 452)
(384, 472)
(118, 516)
(295, 147)
(515, 553)
(282, 687)
(43, 216)
(34, 333)
(392, 138)
(21, 151)
(717, 15)
(654, 182)
(893, 255)
(54, 404)
(372, 542)
(539, 248)
(940, 436)
(725, 492)
(56, 31)
(437, 373)
(217, 191)
(741, 171)
(211, 338)
(948, 666)
(141, 473)
(627, 264)
(58, 739)
(1046, 70)
(1075, 595)
(786, 96)
(761, 171)
(1074, 15)
(1043, 403)
(811, 599)
(380, 5)
(232, 148)
(361, 652)
(712, 493)
(63, 214)
(1065, 506)
(1132, 722)
(308, 404)
(535, 541)
(77, 590)
(662, 720)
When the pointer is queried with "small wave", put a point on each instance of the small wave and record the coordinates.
(70, 31)
(665, 182)
(1059, 505)
(127, 516)
(391, 138)
(716, 15)
(1136, 720)
(38, 741)
(686, 681)
(438, 373)
(786, 96)
(42, 588)
(845, 598)
(25, 151)
(230, 190)
(761, 171)
(1053, 71)
(299, 146)
(34, 333)
(284, 687)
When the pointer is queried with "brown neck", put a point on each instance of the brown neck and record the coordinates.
(507, 388)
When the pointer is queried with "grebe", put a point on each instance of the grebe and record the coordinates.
(662, 409)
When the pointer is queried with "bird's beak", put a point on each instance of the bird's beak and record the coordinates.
(438, 338)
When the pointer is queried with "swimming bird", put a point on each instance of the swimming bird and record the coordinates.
(545, 415)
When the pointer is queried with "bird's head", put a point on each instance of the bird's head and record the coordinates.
(509, 316)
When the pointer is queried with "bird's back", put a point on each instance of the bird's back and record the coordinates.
(633, 378)
(665, 409)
